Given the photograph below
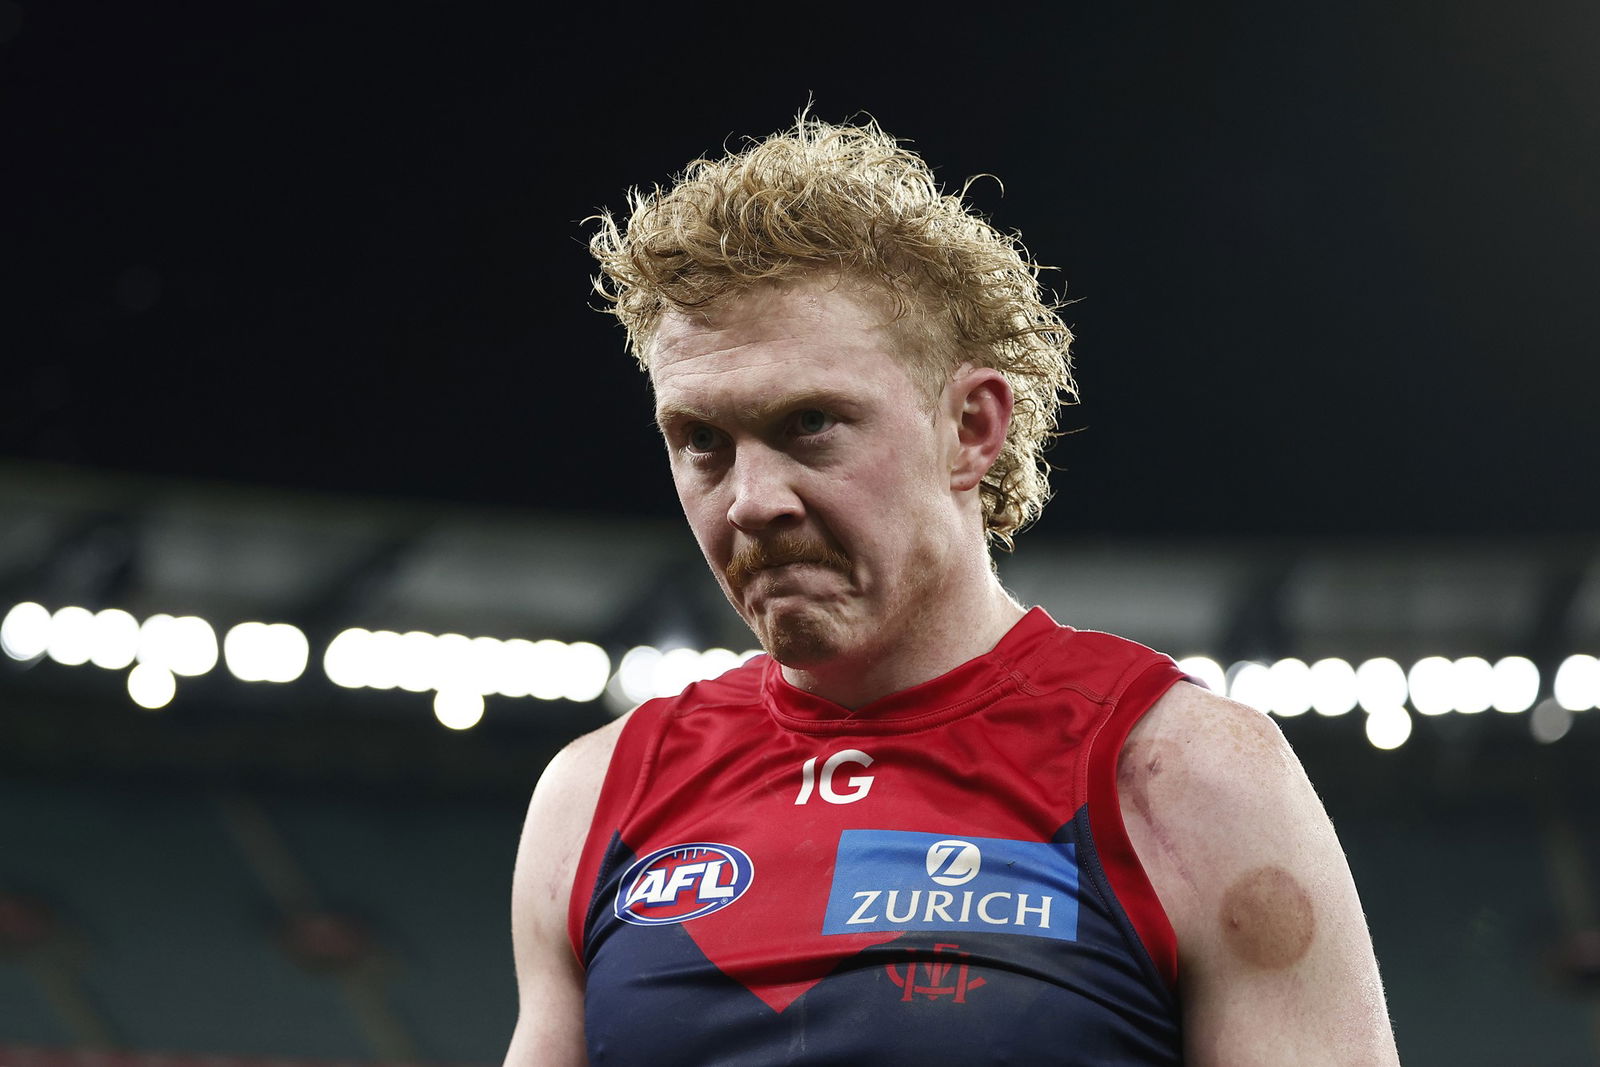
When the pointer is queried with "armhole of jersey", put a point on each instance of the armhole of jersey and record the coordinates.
(629, 768)
(1123, 870)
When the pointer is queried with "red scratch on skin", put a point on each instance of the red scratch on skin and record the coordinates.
(1141, 764)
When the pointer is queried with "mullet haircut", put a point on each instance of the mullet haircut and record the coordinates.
(851, 201)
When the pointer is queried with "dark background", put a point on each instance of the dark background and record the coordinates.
(1333, 275)
(1334, 265)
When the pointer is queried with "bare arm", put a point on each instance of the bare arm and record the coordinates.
(549, 1029)
(1275, 962)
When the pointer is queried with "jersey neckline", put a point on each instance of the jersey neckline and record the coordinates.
(958, 692)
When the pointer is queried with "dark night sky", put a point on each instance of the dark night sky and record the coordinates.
(1335, 266)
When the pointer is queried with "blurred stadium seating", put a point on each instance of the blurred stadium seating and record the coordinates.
(304, 871)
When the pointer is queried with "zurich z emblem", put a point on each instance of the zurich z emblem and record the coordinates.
(682, 882)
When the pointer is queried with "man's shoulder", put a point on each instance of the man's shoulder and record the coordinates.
(1217, 805)
(592, 749)
(1208, 732)
(571, 781)
(1209, 764)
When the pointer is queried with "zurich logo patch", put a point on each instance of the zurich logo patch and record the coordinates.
(903, 881)
(682, 882)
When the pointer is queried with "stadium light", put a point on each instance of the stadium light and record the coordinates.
(1388, 728)
(636, 674)
(545, 669)
(1333, 687)
(419, 662)
(1207, 670)
(1430, 682)
(486, 658)
(678, 668)
(25, 633)
(1550, 721)
(342, 660)
(1290, 680)
(71, 636)
(509, 668)
(1577, 683)
(584, 672)
(451, 669)
(1380, 685)
(1472, 684)
(1251, 683)
(185, 645)
(458, 709)
(1515, 685)
(151, 686)
(266, 652)
(414, 663)
(116, 639)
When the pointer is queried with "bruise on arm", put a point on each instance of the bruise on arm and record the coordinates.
(1267, 918)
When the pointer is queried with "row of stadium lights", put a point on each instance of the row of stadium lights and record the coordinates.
(1434, 685)
(460, 671)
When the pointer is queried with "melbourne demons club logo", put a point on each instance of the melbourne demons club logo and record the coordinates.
(937, 980)
(682, 882)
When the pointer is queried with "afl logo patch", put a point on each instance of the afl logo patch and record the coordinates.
(682, 882)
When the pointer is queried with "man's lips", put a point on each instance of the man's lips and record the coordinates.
(784, 573)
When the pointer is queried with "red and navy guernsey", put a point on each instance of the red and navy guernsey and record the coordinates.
(941, 876)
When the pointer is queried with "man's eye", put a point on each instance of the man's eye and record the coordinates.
(813, 420)
(702, 438)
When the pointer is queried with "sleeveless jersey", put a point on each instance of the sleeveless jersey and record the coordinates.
(942, 876)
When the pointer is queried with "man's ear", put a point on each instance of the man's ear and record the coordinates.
(979, 401)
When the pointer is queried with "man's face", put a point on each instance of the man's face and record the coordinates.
(814, 472)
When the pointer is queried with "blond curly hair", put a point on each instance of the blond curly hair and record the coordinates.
(851, 200)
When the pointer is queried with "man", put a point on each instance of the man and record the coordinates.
(929, 826)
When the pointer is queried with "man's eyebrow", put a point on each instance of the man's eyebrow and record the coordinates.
(762, 411)
(669, 414)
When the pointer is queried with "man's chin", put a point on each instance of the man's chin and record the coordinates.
(799, 639)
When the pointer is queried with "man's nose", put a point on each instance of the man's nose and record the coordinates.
(764, 493)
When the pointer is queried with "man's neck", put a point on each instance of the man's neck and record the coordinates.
(927, 651)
